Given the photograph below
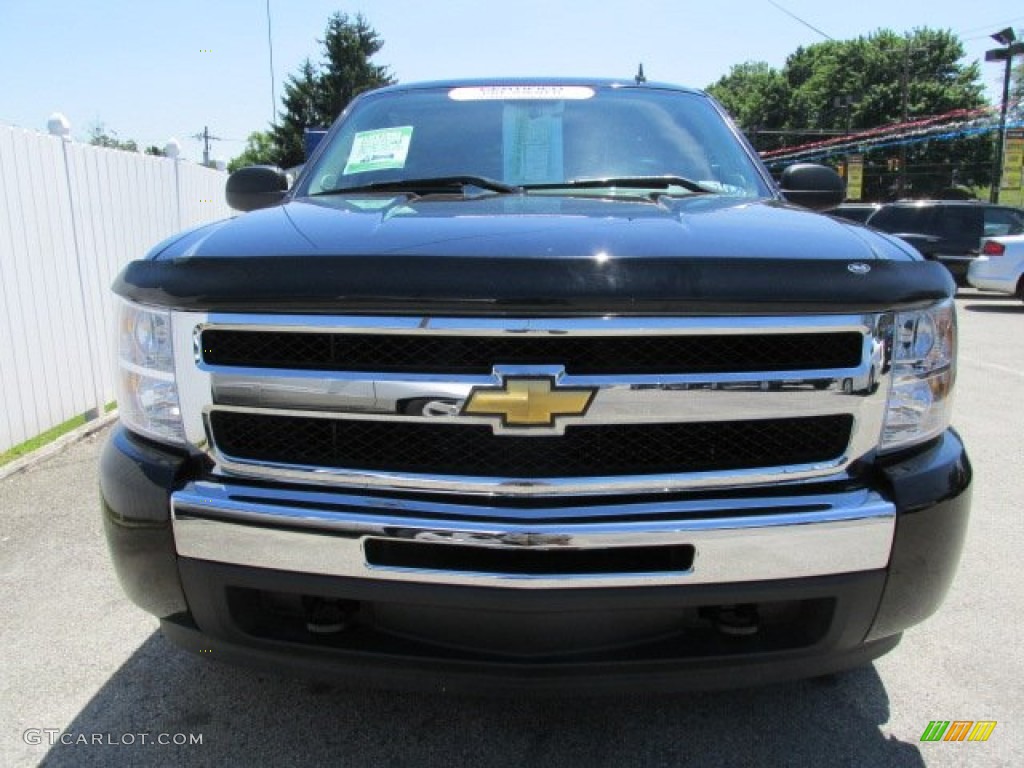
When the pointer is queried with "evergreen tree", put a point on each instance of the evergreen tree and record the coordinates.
(317, 94)
(298, 113)
(348, 46)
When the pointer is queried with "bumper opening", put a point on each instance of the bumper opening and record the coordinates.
(447, 632)
(528, 562)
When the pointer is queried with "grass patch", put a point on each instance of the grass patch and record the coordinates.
(47, 437)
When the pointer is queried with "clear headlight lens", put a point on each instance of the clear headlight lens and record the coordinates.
(923, 373)
(147, 395)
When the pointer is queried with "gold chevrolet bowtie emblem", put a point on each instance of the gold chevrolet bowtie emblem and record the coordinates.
(528, 402)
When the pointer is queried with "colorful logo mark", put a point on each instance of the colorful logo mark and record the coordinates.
(958, 730)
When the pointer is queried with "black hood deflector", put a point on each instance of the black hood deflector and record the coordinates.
(532, 286)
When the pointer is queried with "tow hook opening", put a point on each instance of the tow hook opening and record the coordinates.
(327, 616)
(740, 620)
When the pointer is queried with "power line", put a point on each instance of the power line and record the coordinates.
(805, 23)
(993, 25)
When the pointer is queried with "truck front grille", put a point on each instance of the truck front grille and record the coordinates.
(583, 451)
(393, 403)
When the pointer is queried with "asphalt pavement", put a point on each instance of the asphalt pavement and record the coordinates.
(88, 680)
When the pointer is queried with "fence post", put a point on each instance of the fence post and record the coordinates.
(172, 150)
(59, 126)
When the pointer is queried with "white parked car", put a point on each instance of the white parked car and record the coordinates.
(1000, 267)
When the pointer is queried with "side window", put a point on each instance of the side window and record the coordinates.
(961, 223)
(1003, 221)
(902, 219)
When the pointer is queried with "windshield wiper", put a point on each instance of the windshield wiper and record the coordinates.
(438, 184)
(628, 182)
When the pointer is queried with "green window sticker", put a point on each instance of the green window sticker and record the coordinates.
(379, 150)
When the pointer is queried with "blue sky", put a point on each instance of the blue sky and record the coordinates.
(152, 70)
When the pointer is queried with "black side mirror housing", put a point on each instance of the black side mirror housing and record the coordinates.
(256, 186)
(813, 186)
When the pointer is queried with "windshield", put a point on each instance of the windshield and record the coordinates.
(536, 138)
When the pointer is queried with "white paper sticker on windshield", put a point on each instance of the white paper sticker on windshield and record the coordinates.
(530, 92)
(379, 150)
(533, 142)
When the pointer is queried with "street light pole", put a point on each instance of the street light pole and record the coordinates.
(1006, 38)
(844, 103)
(901, 178)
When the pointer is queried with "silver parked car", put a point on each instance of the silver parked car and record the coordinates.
(1000, 267)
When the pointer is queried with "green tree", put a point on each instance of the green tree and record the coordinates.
(316, 94)
(854, 85)
(259, 150)
(757, 96)
(99, 136)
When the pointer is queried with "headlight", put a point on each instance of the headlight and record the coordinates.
(923, 372)
(147, 395)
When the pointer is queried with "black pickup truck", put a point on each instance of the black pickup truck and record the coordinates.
(534, 384)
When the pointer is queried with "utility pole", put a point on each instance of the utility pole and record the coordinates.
(206, 138)
(901, 183)
(901, 179)
(845, 103)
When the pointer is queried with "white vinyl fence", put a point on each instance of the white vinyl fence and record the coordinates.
(71, 215)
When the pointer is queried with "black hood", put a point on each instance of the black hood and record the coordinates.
(534, 254)
(534, 226)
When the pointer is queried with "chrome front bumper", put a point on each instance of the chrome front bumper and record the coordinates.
(733, 540)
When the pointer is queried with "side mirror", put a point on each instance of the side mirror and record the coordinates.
(257, 186)
(813, 186)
